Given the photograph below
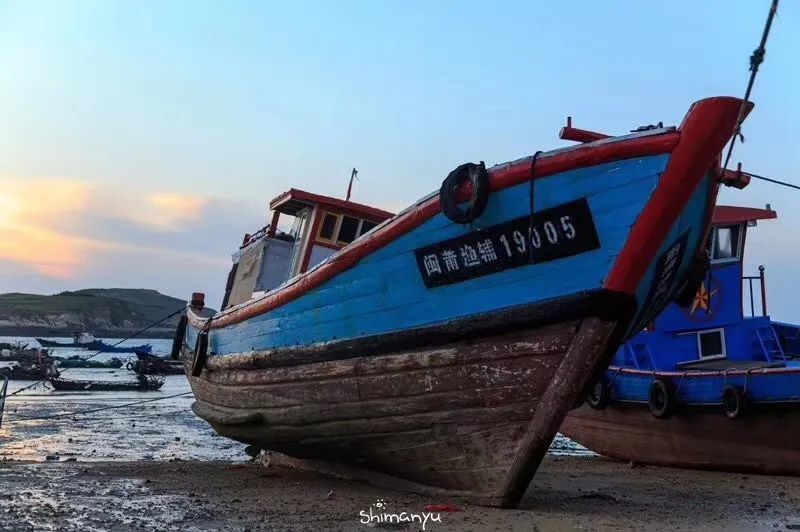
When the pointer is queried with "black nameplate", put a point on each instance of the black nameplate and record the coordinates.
(663, 285)
(557, 232)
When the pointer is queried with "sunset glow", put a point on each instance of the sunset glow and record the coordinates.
(35, 215)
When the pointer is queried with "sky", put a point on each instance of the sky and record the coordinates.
(140, 140)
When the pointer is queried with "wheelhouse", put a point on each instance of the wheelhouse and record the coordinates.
(319, 226)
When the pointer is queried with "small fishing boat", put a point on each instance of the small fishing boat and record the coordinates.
(102, 347)
(79, 340)
(150, 364)
(143, 383)
(711, 386)
(444, 345)
(87, 341)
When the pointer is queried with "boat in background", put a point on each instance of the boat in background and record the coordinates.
(709, 386)
(83, 340)
(143, 383)
(79, 340)
(150, 364)
(443, 346)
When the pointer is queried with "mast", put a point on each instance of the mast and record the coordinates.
(353, 175)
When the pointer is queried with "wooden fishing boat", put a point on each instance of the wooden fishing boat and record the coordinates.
(143, 383)
(708, 386)
(445, 345)
(150, 364)
(79, 340)
(87, 341)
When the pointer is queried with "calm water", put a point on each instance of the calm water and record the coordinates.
(161, 430)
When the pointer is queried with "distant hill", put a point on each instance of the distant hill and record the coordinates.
(109, 312)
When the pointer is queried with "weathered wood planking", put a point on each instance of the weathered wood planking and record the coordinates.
(765, 441)
(463, 417)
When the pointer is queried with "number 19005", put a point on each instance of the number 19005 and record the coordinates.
(557, 232)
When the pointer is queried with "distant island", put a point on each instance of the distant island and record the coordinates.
(106, 312)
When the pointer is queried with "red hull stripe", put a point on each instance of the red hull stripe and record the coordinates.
(501, 177)
(704, 132)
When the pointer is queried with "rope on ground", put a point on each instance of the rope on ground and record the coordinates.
(93, 410)
(755, 61)
(137, 333)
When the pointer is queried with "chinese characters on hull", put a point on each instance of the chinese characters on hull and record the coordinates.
(558, 232)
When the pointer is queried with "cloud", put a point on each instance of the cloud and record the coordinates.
(79, 231)
(166, 212)
(29, 217)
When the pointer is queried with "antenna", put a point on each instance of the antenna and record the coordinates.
(353, 175)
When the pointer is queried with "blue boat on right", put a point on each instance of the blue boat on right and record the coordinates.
(712, 384)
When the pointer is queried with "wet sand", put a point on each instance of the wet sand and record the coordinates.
(569, 493)
(156, 466)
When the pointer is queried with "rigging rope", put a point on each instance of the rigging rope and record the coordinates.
(98, 409)
(755, 61)
(140, 331)
(784, 183)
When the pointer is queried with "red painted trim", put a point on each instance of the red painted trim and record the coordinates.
(616, 370)
(579, 135)
(501, 177)
(336, 204)
(704, 132)
(705, 129)
(727, 214)
(273, 226)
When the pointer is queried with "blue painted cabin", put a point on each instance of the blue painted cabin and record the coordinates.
(724, 338)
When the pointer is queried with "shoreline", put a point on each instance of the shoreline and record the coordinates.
(160, 333)
(567, 493)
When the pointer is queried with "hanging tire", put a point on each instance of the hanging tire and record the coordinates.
(734, 402)
(448, 194)
(200, 353)
(177, 340)
(600, 394)
(661, 399)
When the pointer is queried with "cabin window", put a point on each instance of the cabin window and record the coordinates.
(342, 229)
(711, 343)
(366, 226)
(726, 243)
(328, 228)
(348, 230)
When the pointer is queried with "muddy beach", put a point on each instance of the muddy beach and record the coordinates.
(569, 493)
(156, 466)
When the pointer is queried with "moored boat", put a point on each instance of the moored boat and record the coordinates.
(143, 383)
(445, 345)
(150, 364)
(79, 340)
(712, 386)
(87, 341)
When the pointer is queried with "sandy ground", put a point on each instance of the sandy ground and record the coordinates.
(568, 493)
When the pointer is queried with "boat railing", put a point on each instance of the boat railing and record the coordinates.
(761, 288)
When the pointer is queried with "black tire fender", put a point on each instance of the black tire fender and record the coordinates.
(661, 399)
(734, 402)
(200, 353)
(448, 194)
(600, 394)
(177, 340)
